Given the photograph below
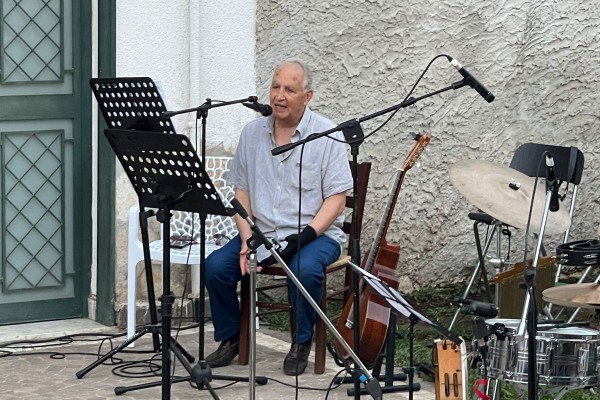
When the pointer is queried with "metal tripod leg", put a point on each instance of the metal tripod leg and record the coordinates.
(480, 267)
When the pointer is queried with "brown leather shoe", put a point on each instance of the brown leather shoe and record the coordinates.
(224, 354)
(296, 360)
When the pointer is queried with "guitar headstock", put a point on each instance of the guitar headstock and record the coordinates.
(414, 155)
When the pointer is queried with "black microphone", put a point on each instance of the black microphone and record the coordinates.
(235, 203)
(471, 81)
(264, 109)
(552, 183)
(479, 308)
(259, 235)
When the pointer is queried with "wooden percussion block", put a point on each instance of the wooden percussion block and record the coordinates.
(448, 371)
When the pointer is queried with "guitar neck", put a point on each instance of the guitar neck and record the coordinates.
(385, 220)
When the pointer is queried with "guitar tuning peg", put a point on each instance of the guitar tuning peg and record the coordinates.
(423, 156)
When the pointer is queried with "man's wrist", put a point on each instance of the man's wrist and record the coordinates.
(308, 234)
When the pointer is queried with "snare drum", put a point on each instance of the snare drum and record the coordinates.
(564, 356)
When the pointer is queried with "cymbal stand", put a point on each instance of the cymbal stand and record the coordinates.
(481, 253)
(371, 383)
(529, 316)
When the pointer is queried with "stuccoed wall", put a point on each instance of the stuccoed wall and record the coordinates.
(540, 58)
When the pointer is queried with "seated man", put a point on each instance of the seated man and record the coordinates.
(269, 188)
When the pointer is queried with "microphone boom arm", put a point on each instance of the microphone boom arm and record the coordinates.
(408, 102)
(208, 105)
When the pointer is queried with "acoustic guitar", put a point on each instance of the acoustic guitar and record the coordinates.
(381, 261)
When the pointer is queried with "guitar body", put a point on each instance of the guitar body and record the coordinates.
(381, 261)
(374, 311)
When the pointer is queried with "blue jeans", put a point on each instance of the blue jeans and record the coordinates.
(222, 274)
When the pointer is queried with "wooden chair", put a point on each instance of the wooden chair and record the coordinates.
(363, 171)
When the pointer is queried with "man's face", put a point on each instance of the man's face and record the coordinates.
(288, 97)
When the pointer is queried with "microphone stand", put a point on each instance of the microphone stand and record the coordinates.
(202, 113)
(201, 373)
(529, 316)
(371, 383)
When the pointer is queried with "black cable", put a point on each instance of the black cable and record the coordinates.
(124, 369)
(387, 120)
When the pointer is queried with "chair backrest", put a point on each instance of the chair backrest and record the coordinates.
(183, 223)
(363, 172)
(568, 166)
(568, 161)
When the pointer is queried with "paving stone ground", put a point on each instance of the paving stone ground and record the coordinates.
(25, 375)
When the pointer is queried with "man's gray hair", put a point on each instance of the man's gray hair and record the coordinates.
(307, 84)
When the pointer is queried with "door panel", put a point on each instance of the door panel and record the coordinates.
(44, 126)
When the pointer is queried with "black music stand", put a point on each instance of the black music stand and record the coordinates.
(401, 307)
(167, 174)
(131, 103)
(135, 103)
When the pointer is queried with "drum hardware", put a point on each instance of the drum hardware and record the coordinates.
(505, 195)
(578, 253)
(497, 263)
(521, 203)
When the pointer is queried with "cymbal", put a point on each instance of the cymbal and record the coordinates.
(505, 194)
(583, 295)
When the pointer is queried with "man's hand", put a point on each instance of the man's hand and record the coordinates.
(244, 262)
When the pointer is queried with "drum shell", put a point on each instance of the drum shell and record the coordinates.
(564, 356)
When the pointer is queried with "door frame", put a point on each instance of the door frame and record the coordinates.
(105, 242)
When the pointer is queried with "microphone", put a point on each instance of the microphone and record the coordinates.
(479, 308)
(471, 81)
(551, 183)
(264, 109)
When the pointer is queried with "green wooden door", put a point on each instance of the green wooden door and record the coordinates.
(45, 160)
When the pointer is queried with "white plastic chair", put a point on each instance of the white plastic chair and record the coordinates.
(182, 224)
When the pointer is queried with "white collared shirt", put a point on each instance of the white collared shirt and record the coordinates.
(273, 181)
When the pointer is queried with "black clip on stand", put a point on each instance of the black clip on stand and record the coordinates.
(166, 174)
(529, 316)
(401, 307)
(354, 135)
(371, 384)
